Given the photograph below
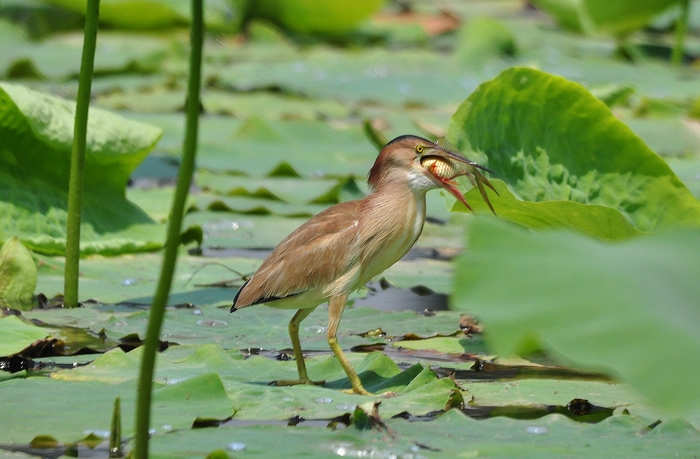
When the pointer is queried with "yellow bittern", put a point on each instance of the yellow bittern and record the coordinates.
(342, 248)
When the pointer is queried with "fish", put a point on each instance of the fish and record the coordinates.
(447, 170)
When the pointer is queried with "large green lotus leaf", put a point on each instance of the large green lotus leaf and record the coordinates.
(158, 14)
(263, 225)
(314, 16)
(258, 147)
(669, 136)
(39, 219)
(254, 327)
(246, 381)
(15, 335)
(596, 220)
(228, 229)
(520, 391)
(157, 202)
(256, 206)
(291, 190)
(37, 131)
(300, 148)
(443, 344)
(687, 170)
(390, 77)
(134, 278)
(588, 61)
(417, 387)
(265, 105)
(482, 39)
(615, 18)
(116, 366)
(198, 280)
(434, 274)
(552, 437)
(238, 222)
(550, 140)
(451, 435)
(69, 411)
(603, 306)
(58, 58)
(657, 80)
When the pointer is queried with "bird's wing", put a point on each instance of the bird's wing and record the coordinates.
(314, 255)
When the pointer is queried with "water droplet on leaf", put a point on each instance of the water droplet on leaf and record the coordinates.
(236, 446)
(212, 323)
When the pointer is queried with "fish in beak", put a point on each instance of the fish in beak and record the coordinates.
(446, 163)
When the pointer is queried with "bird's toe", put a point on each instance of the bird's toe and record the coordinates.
(296, 382)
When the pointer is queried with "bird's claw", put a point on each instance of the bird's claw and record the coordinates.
(357, 391)
(296, 382)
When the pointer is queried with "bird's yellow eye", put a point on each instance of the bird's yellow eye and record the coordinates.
(419, 148)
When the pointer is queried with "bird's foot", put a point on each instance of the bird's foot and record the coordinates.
(296, 382)
(359, 390)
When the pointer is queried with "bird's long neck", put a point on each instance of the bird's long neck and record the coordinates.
(392, 219)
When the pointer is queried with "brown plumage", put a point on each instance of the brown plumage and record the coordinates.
(342, 248)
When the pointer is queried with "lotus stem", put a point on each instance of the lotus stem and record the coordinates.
(77, 166)
(115, 433)
(143, 402)
(681, 29)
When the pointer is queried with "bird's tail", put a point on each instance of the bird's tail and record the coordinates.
(234, 307)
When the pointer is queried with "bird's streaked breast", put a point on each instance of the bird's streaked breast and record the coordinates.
(389, 231)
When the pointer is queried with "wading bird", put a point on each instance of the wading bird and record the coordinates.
(342, 248)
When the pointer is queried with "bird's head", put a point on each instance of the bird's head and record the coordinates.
(424, 165)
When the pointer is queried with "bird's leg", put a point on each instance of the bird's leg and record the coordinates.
(336, 305)
(300, 315)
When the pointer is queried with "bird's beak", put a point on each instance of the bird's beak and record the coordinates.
(445, 163)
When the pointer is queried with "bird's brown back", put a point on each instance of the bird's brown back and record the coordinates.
(312, 256)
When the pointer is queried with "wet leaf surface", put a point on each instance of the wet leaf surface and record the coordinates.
(16, 335)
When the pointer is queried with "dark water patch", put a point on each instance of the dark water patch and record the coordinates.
(385, 297)
(579, 410)
(338, 422)
(482, 370)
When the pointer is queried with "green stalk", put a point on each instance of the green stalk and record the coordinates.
(681, 29)
(75, 185)
(143, 402)
(115, 433)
